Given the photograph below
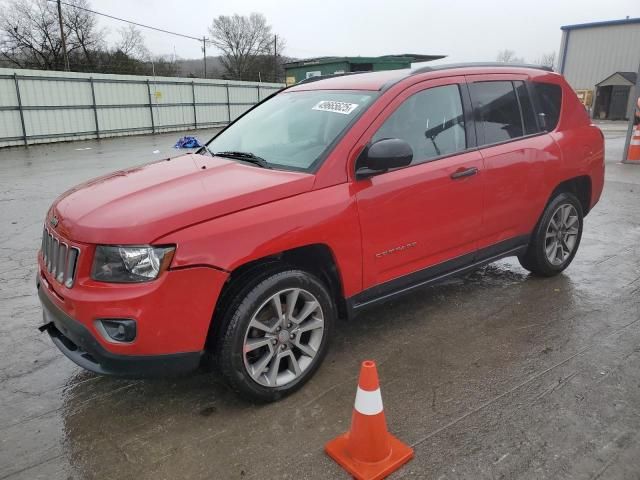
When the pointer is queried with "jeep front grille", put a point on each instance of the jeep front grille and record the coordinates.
(60, 259)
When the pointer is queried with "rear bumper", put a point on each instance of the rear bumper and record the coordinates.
(77, 343)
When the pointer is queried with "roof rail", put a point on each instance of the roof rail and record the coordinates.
(324, 77)
(435, 68)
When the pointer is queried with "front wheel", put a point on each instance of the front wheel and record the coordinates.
(276, 335)
(556, 238)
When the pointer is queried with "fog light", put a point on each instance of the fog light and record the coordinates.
(117, 330)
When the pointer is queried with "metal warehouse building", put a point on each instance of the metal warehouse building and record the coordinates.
(313, 67)
(601, 61)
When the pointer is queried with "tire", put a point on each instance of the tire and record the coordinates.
(551, 249)
(292, 347)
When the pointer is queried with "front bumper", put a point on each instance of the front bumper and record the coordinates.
(76, 342)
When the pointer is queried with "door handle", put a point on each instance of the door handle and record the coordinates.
(466, 172)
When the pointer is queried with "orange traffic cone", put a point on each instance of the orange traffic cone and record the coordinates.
(634, 146)
(368, 451)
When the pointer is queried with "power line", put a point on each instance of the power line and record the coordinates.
(129, 21)
(204, 39)
(64, 41)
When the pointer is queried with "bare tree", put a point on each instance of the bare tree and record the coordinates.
(508, 56)
(83, 34)
(547, 60)
(241, 40)
(30, 33)
(163, 65)
(131, 43)
(30, 38)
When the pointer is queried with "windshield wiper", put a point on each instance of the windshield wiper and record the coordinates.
(245, 157)
(206, 149)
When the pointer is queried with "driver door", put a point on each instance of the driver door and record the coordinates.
(422, 220)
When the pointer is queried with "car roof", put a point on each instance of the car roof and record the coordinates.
(384, 79)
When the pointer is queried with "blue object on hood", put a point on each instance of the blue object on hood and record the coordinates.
(187, 142)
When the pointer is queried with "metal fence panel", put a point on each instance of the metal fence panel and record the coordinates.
(211, 94)
(50, 93)
(171, 93)
(10, 125)
(209, 115)
(237, 110)
(244, 94)
(45, 106)
(56, 122)
(173, 115)
(114, 94)
(8, 96)
(125, 118)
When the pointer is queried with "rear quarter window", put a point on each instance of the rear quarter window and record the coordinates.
(549, 97)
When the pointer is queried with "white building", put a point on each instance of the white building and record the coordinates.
(601, 61)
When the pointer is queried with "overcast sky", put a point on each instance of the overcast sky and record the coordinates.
(470, 30)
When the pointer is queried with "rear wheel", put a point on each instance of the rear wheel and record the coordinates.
(276, 334)
(556, 238)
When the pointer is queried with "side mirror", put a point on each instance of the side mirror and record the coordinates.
(383, 155)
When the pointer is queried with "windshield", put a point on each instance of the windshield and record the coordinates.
(292, 130)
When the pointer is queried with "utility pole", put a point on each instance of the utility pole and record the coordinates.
(64, 41)
(275, 58)
(635, 91)
(204, 51)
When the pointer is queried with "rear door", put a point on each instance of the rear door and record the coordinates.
(429, 212)
(515, 153)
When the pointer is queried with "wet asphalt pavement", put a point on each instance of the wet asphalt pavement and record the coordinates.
(493, 375)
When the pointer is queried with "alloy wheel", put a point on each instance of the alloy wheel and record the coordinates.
(283, 337)
(562, 234)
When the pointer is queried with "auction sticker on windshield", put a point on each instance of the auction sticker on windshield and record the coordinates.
(336, 107)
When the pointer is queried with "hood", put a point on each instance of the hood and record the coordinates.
(139, 205)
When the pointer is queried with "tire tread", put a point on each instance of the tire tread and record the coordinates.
(534, 259)
(237, 310)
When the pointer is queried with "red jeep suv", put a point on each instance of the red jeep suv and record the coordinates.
(328, 197)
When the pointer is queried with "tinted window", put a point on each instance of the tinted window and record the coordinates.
(496, 111)
(549, 98)
(528, 116)
(431, 121)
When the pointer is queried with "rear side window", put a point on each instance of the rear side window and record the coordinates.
(497, 112)
(549, 98)
(431, 121)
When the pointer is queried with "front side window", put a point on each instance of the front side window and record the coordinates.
(293, 130)
(497, 112)
(431, 121)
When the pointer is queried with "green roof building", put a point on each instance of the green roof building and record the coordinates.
(314, 67)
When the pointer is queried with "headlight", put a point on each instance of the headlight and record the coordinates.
(130, 264)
